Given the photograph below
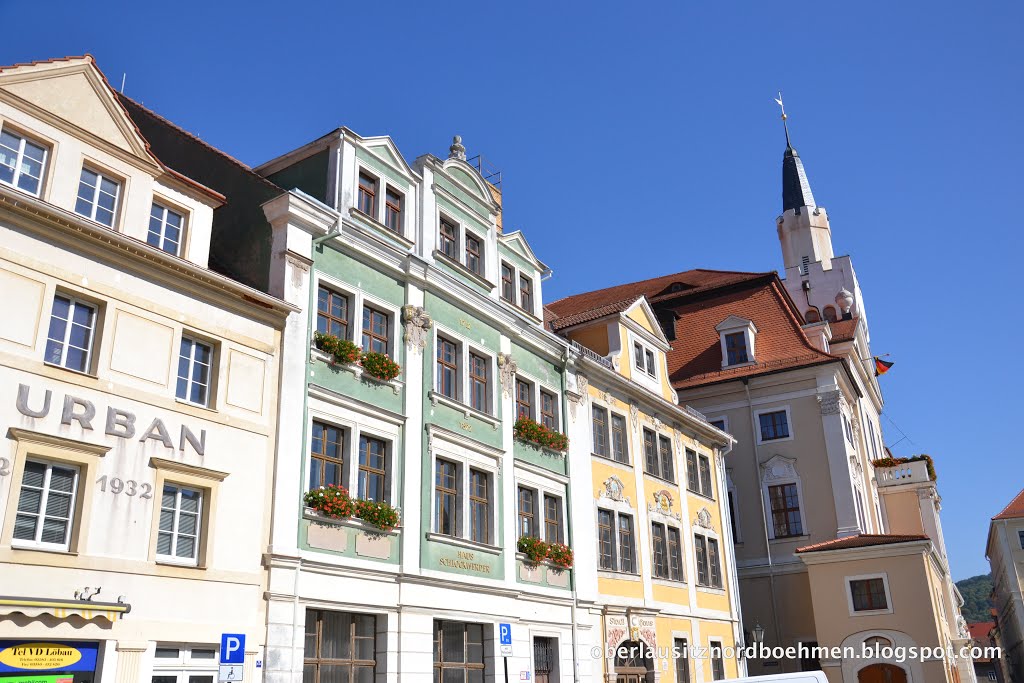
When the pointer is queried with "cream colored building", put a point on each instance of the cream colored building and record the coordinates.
(138, 400)
(1005, 552)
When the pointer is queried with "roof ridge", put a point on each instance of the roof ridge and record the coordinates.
(1019, 496)
(51, 60)
(662, 277)
(192, 136)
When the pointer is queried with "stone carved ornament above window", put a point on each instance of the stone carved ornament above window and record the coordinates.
(831, 402)
(417, 323)
(613, 490)
(704, 519)
(663, 505)
(778, 468)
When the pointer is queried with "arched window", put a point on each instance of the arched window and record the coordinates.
(633, 661)
(812, 315)
(830, 314)
(877, 641)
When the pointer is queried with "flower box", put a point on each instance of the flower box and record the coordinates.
(537, 434)
(334, 502)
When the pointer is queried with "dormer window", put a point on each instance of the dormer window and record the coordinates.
(368, 194)
(737, 336)
(508, 288)
(525, 293)
(644, 359)
(474, 254)
(393, 210)
(449, 239)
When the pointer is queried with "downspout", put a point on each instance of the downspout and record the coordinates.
(764, 511)
(568, 527)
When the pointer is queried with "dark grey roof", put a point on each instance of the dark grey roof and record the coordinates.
(796, 191)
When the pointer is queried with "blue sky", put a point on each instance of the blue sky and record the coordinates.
(641, 139)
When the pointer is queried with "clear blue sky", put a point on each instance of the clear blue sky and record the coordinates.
(653, 126)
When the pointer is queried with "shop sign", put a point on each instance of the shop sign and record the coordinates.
(22, 656)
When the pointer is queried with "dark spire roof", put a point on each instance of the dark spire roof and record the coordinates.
(796, 191)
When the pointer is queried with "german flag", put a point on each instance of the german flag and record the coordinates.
(881, 366)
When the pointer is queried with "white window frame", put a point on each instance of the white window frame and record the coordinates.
(713, 643)
(463, 233)
(774, 409)
(353, 426)
(536, 386)
(358, 299)
(464, 459)
(617, 508)
(733, 505)
(541, 487)
(20, 156)
(173, 558)
(714, 535)
(166, 209)
(41, 516)
(185, 665)
(610, 412)
(380, 210)
(724, 419)
(789, 477)
(734, 324)
(848, 587)
(515, 282)
(463, 347)
(94, 202)
(1020, 538)
(191, 362)
(669, 523)
(75, 302)
(518, 273)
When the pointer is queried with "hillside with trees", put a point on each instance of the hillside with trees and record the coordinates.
(976, 591)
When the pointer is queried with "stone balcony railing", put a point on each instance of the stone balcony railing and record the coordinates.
(907, 473)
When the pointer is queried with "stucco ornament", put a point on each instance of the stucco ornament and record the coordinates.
(844, 299)
(582, 382)
(417, 322)
(507, 369)
(578, 399)
(831, 402)
(778, 468)
(703, 519)
(663, 504)
(613, 490)
(856, 467)
(457, 150)
(634, 413)
(657, 423)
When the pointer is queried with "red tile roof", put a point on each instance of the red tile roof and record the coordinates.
(1014, 510)
(844, 330)
(861, 541)
(980, 629)
(701, 299)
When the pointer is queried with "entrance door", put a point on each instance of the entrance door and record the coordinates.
(881, 673)
(543, 660)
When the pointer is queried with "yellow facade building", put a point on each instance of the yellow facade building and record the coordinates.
(658, 578)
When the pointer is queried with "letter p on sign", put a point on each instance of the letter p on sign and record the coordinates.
(232, 648)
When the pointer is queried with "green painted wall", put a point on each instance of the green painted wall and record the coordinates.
(549, 460)
(372, 161)
(447, 557)
(481, 205)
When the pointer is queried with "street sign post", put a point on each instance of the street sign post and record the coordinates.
(505, 640)
(232, 658)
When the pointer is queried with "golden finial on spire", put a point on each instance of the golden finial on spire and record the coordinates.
(778, 101)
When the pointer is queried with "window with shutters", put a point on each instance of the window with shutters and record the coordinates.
(181, 510)
(46, 509)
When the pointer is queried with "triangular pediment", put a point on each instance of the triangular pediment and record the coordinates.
(74, 93)
(734, 322)
(384, 147)
(516, 243)
(642, 314)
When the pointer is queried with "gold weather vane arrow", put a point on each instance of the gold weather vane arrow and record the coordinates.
(778, 101)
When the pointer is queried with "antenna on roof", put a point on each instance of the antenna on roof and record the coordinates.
(124, 77)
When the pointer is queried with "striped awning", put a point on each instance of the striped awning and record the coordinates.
(62, 609)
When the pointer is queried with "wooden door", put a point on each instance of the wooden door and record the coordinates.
(881, 673)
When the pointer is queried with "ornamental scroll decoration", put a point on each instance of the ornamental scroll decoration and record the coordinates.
(634, 414)
(579, 399)
(417, 322)
(663, 505)
(613, 490)
(703, 519)
(831, 402)
(507, 369)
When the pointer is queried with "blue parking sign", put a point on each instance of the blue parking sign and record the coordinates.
(232, 648)
(505, 634)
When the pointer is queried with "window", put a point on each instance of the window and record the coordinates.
(736, 347)
(812, 315)
(650, 454)
(508, 291)
(46, 505)
(479, 506)
(180, 514)
(21, 161)
(375, 330)
(665, 458)
(184, 664)
(599, 418)
(70, 338)
(528, 512)
(709, 569)
(545, 660)
(644, 359)
(659, 549)
(458, 652)
(553, 519)
(810, 662)
(97, 197)
(372, 468)
(717, 663)
(638, 355)
(868, 594)
(165, 228)
(393, 210)
(525, 293)
(449, 239)
(651, 369)
(698, 474)
(732, 517)
(331, 313)
(339, 647)
(774, 425)
(547, 410)
(675, 555)
(474, 252)
(682, 653)
(447, 368)
(626, 555)
(326, 454)
(718, 424)
(847, 429)
(830, 314)
(1020, 538)
(785, 504)
(524, 399)
(606, 539)
(368, 194)
(446, 495)
(620, 447)
(194, 361)
(992, 676)
(478, 385)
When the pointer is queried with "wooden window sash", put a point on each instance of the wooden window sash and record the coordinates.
(480, 506)
(326, 459)
(443, 345)
(368, 194)
(368, 470)
(527, 512)
(327, 315)
(370, 334)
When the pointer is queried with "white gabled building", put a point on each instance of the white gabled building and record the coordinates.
(138, 401)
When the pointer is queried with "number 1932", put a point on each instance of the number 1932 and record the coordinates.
(129, 487)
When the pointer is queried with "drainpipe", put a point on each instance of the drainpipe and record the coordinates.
(764, 511)
(568, 526)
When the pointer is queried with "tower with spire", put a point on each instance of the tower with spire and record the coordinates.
(823, 285)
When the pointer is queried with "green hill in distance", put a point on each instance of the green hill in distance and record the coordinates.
(976, 591)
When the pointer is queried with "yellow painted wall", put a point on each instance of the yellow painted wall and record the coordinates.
(594, 338)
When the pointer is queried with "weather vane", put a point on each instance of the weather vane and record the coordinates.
(778, 101)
